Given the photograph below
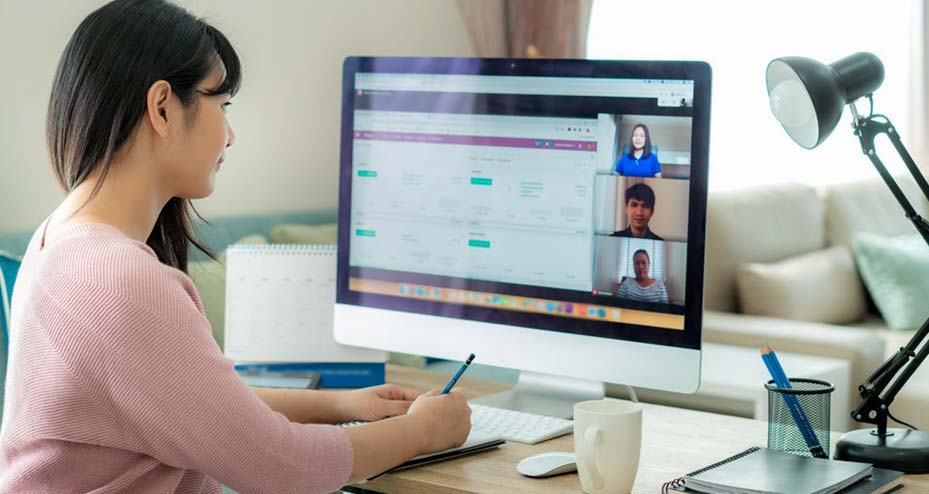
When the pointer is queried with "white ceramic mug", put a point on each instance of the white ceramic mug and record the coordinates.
(607, 443)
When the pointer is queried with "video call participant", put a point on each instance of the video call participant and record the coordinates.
(639, 160)
(640, 206)
(642, 288)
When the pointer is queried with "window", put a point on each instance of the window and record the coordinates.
(738, 39)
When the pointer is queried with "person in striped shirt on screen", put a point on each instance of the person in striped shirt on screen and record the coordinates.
(642, 288)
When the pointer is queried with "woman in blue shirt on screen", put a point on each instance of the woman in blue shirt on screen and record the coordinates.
(639, 160)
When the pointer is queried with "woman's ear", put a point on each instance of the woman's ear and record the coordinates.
(157, 106)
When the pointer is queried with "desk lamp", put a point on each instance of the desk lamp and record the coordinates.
(807, 98)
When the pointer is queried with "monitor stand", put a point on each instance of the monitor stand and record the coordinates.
(545, 394)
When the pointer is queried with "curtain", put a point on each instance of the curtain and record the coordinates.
(918, 142)
(527, 28)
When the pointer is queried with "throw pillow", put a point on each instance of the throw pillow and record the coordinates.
(210, 278)
(896, 272)
(820, 286)
(327, 233)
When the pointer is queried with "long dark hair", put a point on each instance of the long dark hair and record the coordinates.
(99, 96)
(647, 148)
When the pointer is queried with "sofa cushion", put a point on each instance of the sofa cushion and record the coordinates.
(305, 234)
(912, 402)
(821, 286)
(896, 272)
(757, 225)
(225, 230)
(862, 348)
(869, 207)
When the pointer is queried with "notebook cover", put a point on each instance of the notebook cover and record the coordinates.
(333, 374)
(772, 471)
(449, 454)
(475, 443)
(881, 481)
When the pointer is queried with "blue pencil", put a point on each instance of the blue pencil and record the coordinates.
(793, 404)
(454, 379)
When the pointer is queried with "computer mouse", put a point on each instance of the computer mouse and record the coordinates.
(547, 464)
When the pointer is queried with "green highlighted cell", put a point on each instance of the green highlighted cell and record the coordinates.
(367, 173)
(364, 233)
(484, 244)
(481, 181)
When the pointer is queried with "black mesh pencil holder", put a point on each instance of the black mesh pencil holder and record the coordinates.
(814, 397)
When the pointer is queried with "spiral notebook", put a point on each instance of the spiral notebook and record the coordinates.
(762, 471)
(279, 306)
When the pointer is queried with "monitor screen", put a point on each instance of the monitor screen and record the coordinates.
(508, 192)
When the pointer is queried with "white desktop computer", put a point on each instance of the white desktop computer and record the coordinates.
(547, 215)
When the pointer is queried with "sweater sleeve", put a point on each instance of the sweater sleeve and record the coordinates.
(135, 337)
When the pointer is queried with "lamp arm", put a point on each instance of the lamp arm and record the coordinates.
(882, 386)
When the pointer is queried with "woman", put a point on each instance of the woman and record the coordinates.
(115, 383)
(639, 160)
(642, 288)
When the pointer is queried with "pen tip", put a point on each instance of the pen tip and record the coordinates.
(470, 358)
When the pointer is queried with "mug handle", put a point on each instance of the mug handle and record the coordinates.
(592, 437)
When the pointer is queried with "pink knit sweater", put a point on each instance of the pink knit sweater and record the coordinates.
(116, 385)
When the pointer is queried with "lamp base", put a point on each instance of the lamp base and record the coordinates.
(903, 450)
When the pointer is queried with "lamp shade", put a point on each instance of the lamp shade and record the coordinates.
(807, 96)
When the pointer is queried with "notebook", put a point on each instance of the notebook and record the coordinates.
(279, 306)
(762, 471)
(477, 441)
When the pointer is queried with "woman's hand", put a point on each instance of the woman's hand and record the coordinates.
(447, 418)
(375, 403)
(434, 422)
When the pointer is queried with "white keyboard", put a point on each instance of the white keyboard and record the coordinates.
(520, 427)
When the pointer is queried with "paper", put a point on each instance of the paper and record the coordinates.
(279, 306)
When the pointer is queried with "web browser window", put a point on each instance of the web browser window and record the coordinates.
(563, 196)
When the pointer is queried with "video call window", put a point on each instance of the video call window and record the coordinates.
(647, 146)
(641, 270)
(632, 207)
(500, 198)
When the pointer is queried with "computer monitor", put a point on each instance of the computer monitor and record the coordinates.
(546, 215)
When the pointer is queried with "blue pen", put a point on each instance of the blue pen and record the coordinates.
(454, 379)
(793, 404)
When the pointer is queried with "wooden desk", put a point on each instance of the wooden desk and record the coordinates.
(674, 442)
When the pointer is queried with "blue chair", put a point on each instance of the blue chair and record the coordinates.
(9, 266)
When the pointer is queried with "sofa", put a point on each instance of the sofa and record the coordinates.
(752, 229)
(748, 227)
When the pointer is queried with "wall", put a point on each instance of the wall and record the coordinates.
(286, 117)
(676, 259)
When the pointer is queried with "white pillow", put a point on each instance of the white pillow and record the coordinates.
(821, 286)
(326, 233)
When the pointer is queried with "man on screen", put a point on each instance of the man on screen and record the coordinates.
(640, 205)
